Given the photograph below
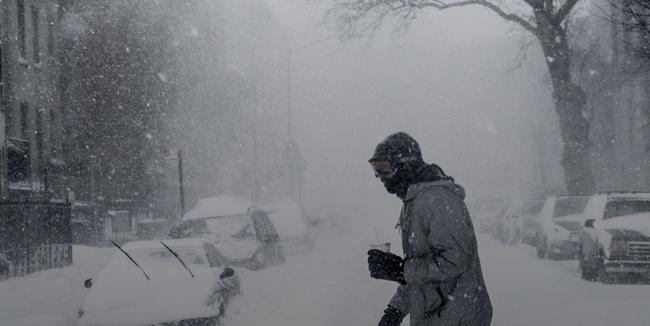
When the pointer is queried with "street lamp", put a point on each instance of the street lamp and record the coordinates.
(291, 145)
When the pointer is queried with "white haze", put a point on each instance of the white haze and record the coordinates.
(451, 80)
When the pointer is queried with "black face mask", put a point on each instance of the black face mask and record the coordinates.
(399, 183)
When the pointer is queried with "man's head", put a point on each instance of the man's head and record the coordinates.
(395, 162)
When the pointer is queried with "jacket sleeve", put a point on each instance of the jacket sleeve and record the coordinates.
(448, 236)
(401, 300)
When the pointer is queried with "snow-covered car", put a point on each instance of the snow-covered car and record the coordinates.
(528, 224)
(241, 231)
(617, 235)
(169, 282)
(519, 221)
(561, 223)
(498, 227)
(292, 228)
(484, 214)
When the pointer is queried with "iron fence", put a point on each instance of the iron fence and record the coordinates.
(34, 236)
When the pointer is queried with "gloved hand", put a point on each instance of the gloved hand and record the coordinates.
(391, 317)
(386, 266)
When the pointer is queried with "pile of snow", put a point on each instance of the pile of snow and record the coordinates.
(223, 205)
(122, 295)
(287, 218)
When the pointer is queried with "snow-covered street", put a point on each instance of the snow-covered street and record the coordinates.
(330, 286)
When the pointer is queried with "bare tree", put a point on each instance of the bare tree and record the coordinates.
(635, 19)
(547, 20)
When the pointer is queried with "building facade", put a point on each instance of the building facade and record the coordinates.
(30, 68)
(616, 79)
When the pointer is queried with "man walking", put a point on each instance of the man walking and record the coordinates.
(440, 277)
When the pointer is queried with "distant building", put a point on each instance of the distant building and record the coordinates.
(30, 93)
(617, 82)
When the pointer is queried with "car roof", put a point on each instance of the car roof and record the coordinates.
(217, 206)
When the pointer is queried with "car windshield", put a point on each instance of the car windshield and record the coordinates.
(570, 206)
(617, 208)
(190, 256)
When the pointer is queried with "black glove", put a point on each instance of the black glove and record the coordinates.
(391, 317)
(386, 266)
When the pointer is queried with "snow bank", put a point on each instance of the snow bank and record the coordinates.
(51, 297)
(287, 218)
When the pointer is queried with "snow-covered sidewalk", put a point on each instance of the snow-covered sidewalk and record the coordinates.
(52, 297)
(330, 287)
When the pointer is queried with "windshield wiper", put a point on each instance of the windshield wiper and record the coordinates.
(131, 258)
(179, 258)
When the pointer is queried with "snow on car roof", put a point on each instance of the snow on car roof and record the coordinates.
(223, 205)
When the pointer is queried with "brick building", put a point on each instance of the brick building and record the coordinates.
(30, 68)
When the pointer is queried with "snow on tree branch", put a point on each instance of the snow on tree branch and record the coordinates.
(354, 17)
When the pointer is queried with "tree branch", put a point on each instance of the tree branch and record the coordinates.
(495, 8)
(564, 11)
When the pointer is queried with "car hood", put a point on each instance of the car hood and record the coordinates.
(629, 228)
(570, 222)
(170, 295)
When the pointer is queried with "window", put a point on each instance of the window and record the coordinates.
(569, 206)
(623, 207)
(36, 37)
(20, 4)
(40, 133)
(10, 122)
(50, 34)
(24, 119)
(53, 136)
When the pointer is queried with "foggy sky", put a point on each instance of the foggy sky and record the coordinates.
(450, 81)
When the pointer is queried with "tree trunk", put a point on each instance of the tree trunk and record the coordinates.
(570, 105)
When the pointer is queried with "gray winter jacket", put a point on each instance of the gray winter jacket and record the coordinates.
(442, 267)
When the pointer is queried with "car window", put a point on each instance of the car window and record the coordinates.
(619, 207)
(237, 227)
(569, 206)
(189, 229)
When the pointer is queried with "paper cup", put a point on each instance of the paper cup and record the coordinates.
(381, 246)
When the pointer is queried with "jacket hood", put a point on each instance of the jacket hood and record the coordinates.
(450, 185)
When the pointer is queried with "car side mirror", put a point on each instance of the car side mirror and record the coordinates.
(590, 223)
(88, 283)
(227, 272)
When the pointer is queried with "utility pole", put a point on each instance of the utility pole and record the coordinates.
(180, 181)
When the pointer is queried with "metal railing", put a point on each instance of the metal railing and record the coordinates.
(34, 236)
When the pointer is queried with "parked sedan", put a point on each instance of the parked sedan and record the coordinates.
(520, 222)
(244, 233)
(173, 282)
